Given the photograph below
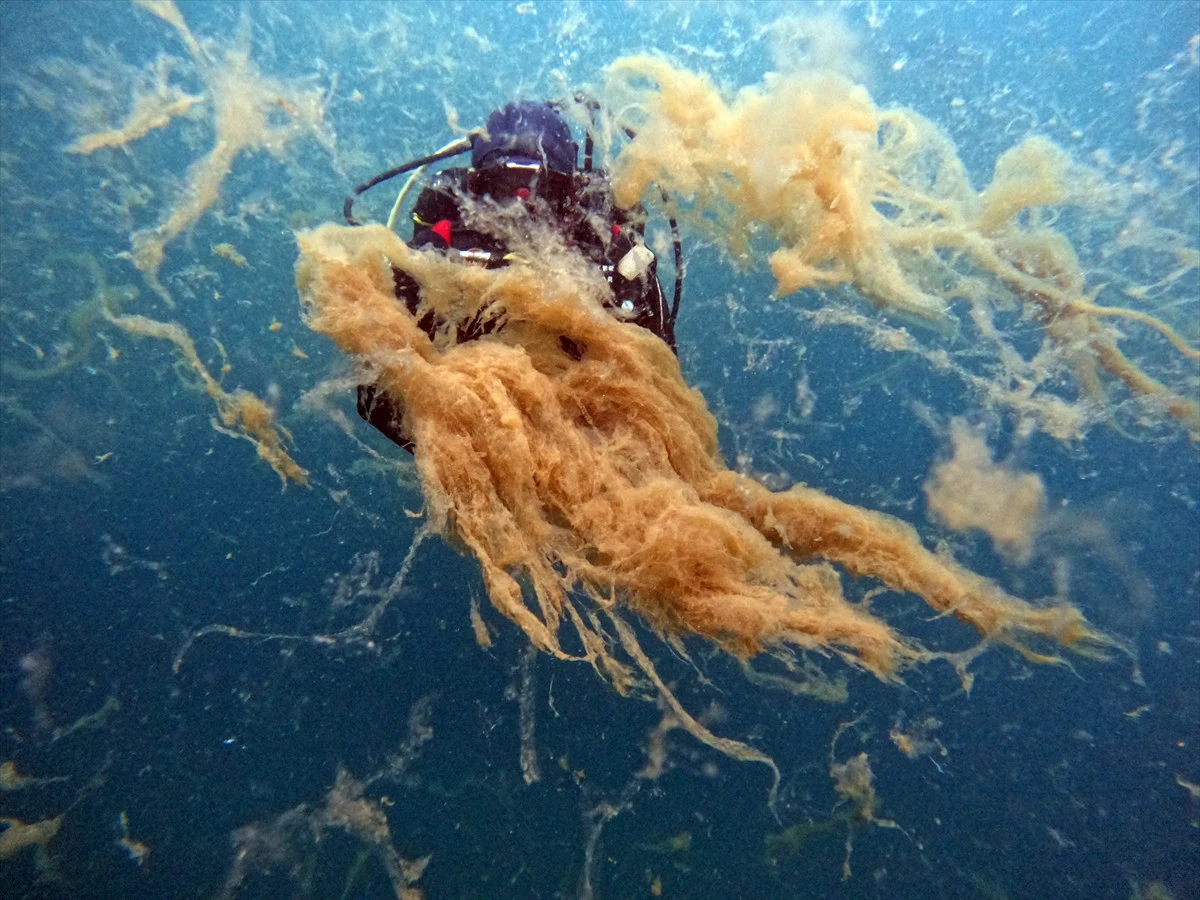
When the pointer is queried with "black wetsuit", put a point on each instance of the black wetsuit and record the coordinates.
(603, 233)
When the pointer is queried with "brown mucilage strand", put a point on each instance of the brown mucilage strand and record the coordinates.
(591, 488)
(839, 192)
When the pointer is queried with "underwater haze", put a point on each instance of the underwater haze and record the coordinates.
(941, 296)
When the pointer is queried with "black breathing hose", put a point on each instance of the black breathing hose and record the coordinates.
(453, 150)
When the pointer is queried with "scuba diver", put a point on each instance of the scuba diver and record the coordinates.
(525, 155)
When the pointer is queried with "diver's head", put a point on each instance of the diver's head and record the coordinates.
(526, 152)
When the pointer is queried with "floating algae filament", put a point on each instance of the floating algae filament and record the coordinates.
(970, 490)
(917, 739)
(151, 109)
(241, 413)
(19, 836)
(597, 484)
(230, 252)
(84, 320)
(854, 784)
(879, 200)
(244, 102)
